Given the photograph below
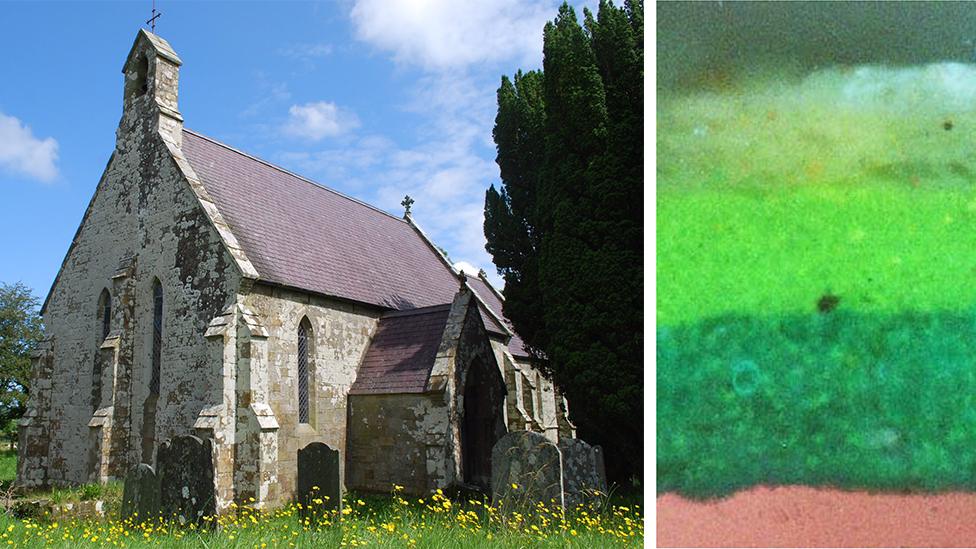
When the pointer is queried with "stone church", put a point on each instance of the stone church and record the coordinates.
(208, 292)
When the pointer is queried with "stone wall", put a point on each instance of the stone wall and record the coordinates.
(391, 440)
(339, 338)
(533, 403)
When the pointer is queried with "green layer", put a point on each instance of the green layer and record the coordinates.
(856, 400)
(880, 245)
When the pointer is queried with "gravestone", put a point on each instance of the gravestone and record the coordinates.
(526, 468)
(318, 486)
(601, 468)
(140, 494)
(582, 478)
(186, 478)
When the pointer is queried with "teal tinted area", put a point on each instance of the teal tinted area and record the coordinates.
(849, 399)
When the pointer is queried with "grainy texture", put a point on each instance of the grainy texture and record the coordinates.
(798, 516)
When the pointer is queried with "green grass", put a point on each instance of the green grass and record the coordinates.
(8, 467)
(773, 194)
(373, 521)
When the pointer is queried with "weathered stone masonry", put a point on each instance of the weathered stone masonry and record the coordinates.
(228, 336)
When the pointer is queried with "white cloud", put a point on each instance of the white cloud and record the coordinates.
(441, 34)
(21, 152)
(459, 46)
(318, 120)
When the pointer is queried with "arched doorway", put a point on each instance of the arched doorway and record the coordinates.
(478, 429)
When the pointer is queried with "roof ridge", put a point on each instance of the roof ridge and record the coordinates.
(484, 278)
(293, 174)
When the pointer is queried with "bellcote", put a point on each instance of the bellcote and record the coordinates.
(152, 73)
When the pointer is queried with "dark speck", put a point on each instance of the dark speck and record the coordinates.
(827, 303)
(947, 125)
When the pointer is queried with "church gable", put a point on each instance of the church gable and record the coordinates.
(146, 259)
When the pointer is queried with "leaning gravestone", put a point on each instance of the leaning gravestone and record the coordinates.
(526, 468)
(582, 465)
(140, 495)
(318, 483)
(186, 477)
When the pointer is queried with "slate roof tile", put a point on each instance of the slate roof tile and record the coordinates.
(402, 352)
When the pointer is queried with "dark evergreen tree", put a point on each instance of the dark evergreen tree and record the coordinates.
(510, 224)
(566, 230)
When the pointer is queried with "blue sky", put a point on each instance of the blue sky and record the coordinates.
(374, 98)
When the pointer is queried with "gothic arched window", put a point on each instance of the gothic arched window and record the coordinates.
(103, 315)
(304, 334)
(157, 340)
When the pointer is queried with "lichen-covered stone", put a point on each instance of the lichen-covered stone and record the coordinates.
(140, 494)
(583, 475)
(526, 469)
(186, 479)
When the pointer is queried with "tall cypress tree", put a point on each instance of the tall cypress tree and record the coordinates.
(510, 224)
(566, 230)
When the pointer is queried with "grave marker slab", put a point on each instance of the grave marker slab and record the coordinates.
(140, 494)
(582, 467)
(186, 477)
(318, 478)
(526, 468)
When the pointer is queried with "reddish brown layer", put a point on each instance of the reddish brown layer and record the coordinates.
(797, 516)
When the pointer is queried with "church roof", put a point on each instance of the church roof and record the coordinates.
(402, 352)
(302, 235)
(492, 300)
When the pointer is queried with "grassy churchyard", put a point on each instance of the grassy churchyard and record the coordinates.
(366, 521)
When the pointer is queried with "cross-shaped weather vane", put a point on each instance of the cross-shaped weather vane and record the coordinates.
(152, 20)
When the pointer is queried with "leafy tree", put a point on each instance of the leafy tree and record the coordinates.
(20, 331)
(566, 229)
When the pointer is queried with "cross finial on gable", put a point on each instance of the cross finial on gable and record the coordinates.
(152, 20)
(407, 202)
